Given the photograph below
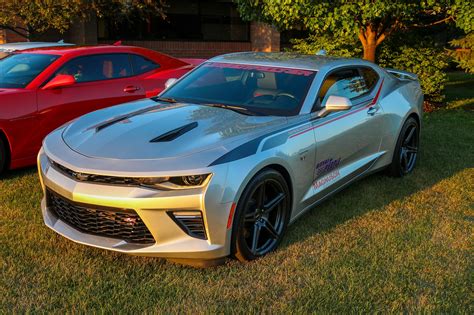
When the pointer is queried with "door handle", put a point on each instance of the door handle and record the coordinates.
(372, 110)
(131, 89)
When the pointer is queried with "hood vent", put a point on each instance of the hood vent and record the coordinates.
(175, 133)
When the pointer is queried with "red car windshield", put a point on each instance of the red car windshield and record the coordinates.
(260, 89)
(18, 70)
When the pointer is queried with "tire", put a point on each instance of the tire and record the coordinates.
(3, 156)
(406, 150)
(266, 210)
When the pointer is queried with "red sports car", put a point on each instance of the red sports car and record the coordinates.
(41, 89)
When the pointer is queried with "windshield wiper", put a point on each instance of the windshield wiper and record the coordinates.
(164, 99)
(238, 109)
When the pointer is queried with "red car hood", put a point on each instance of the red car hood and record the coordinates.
(11, 91)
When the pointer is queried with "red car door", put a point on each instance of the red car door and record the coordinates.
(101, 81)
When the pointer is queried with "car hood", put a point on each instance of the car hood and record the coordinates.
(4, 91)
(147, 130)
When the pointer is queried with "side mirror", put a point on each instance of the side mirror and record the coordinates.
(60, 80)
(170, 82)
(335, 104)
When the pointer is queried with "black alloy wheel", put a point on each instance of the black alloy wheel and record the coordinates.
(262, 216)
(406, 151)
(3, 156)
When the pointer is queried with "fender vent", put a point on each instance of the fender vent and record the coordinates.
(175, 133)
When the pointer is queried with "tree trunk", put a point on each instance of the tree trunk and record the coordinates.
(369, 52)
(369, 40)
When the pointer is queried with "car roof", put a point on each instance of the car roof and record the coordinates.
(86, 50)
(288, 60)
(30, 45)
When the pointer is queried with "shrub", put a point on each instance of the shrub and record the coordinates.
(464, 55)
(333, 45)
(427, 63)
(421, 58)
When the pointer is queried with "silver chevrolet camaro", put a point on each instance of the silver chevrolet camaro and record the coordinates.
(226, 157)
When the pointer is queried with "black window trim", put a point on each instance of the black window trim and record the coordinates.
(357, 98)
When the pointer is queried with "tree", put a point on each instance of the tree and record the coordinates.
(370, 21)
(29, 17)
(464, 55)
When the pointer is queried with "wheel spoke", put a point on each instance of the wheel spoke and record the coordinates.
(410, 136)
(255, 237)
(404, 158)
(411, 149)
(269, 227)
(250, 217)
(261, 196)
(273, 203)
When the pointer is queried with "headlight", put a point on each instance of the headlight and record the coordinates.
(177, 182)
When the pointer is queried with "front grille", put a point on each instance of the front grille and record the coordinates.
(101, 179)
(122, 224)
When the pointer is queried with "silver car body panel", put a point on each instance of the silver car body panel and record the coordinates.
(10, 47)
(319, 156)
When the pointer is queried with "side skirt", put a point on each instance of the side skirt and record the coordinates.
(362, 172)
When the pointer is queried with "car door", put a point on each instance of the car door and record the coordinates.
(347, 142)
(147, 72)
(101, 81)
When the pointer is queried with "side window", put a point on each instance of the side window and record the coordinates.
(347, 82)
(370, 77)
(141, 64)
(98, 67)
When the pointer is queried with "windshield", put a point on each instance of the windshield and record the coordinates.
(260, 89)
(17, 70)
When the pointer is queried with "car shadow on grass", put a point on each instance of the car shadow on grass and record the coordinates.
(18, 173)
(446, 149)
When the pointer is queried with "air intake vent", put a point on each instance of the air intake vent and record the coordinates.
(175, 133)
(190, 222)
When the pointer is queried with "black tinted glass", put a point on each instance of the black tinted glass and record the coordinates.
(347, 83)
(17, 70)
(262, 89)
(98, 67)
(370, 77)
(141, 64)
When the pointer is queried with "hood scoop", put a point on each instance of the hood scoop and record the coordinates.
(175, 133)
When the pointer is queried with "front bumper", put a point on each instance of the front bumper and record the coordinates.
(152, 207)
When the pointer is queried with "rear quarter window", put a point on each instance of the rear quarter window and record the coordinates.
(141, 64)
(370, 77)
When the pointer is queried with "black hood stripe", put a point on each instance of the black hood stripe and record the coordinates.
(120, 118)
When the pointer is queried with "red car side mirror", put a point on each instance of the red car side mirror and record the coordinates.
(60, 80)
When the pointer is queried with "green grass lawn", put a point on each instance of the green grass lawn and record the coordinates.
(383, 244)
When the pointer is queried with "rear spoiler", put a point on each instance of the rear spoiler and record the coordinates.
(193, 61)
(402, 75)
